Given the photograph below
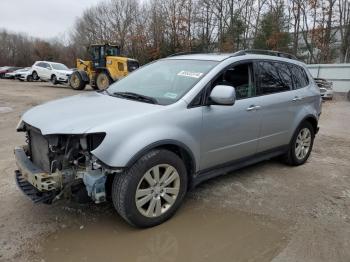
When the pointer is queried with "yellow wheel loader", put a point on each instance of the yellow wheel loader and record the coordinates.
(105, 67)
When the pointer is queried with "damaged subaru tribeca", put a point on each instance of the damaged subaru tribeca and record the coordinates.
(150, 137)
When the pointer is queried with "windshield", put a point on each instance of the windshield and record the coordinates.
(59, 67)
(164, 81)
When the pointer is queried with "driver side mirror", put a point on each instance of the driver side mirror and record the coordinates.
(223, 95)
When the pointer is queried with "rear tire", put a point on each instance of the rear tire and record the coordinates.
(76, 81)
(162, 198)
(103, 81)
(301, 145)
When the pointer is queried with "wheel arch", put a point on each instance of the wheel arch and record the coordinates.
(83, 75)
(312, 120)
(179, 148)
(105, 70)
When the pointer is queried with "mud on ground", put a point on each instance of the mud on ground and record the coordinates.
(266, 212)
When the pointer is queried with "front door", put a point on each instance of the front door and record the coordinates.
(46, 71)
(230, 132)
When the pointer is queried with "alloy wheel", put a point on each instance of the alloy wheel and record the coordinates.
(303, 143)
(157, 190)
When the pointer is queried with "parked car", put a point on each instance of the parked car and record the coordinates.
(25, 75)
(326, 88)
(15, 74)
(50, 71)
(167, 127)
(7, 69)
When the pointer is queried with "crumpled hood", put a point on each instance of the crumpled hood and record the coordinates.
(78, 114)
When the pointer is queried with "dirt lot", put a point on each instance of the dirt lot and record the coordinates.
(267, 212)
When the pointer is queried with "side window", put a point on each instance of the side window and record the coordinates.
(240, 77)
(274, 77)
(40, 64)
(285, 75)
(300, 78)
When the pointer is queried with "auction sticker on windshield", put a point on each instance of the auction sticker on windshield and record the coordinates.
(190, 74)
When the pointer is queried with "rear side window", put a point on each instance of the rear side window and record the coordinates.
(299, 76)
(274, 77)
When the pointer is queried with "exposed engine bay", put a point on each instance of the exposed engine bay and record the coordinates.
(62, 165)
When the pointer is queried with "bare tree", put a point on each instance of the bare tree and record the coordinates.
(344, 28)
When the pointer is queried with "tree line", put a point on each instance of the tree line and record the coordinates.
(316, 31)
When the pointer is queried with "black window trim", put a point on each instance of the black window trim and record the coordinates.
(204, 91)
(255, 77)
(305, 75)
(259, 93)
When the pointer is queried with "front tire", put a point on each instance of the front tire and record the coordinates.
(54, 80)
(151, 191)
(103, 81)
(76, 81)
(29, 78)
(35, 76)
(301, 145)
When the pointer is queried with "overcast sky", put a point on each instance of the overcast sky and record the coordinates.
(41, 18)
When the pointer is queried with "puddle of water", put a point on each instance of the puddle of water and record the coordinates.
(192, 235)
(4, 109)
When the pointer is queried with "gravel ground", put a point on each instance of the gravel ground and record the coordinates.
(266, 212)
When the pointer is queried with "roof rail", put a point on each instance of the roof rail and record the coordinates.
(267, 52)
(238, 53)
(185, 53)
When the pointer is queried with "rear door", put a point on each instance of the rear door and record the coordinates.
(277, 112)
(301, 83)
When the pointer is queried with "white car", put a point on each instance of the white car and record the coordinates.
(25, 75)
(50, 71)
(326, 88)
(16, 74)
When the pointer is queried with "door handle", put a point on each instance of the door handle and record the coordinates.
(253, 108)
(297, 98)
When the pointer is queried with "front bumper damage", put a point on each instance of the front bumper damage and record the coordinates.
(44, 187)
(33, 182)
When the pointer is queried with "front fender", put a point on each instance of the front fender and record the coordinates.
(83, 75)
(123, 153)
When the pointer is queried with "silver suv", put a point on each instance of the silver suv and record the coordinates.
(150, 137)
